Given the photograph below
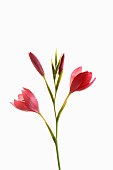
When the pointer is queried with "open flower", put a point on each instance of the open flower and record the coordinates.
(26, 101)
(80, 80)
(36, 63)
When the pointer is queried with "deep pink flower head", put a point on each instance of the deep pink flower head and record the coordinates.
(26, 101)
(80, 80)
(61, 64)
(36, 63)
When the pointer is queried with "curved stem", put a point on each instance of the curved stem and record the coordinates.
(49, 90)
(54, 139)
(50, 130)
(62, 107)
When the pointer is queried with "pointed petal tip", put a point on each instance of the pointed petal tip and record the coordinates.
(94, 79)
(24, 88)
(11, 103)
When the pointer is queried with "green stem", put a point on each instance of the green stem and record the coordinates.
(49, 90)
(62, 107)
(56, 142)
(54, 109)
(57, 152)
(57, 120)
(50, 130)
(56, 129)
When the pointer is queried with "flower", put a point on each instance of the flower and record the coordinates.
(61, 64)
(80, 80)
(26, 101)
(36, 63)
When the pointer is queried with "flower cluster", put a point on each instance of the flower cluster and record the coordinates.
(79, 81)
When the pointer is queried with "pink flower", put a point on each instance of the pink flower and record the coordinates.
(80, 80)
(26, 101)
(61, 64)
(36, 63)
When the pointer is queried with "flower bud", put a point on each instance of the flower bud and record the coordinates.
(61, 64)
(36, 63)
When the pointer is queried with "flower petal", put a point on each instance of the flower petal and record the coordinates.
(76, 83)
(86, 78)
(86, 86)
(30, 100)
(75, 73)
(20, 97)
(20, 105)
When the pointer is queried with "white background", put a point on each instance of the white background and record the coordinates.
(83, 30)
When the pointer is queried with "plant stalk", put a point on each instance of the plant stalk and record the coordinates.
(57, 152)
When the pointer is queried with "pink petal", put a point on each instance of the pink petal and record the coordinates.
(20, 105)
(30, 100)
(36, 63)
(20, 97)
(75, 73)
(27, 91)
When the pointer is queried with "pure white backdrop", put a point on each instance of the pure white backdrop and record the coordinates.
(83, 30)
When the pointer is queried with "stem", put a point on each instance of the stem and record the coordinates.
(50, 130)
(57, 120)
(57, 152)
(49, 90)
(54, 109)
(62, 107)
(56, 141)
(56, 129)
